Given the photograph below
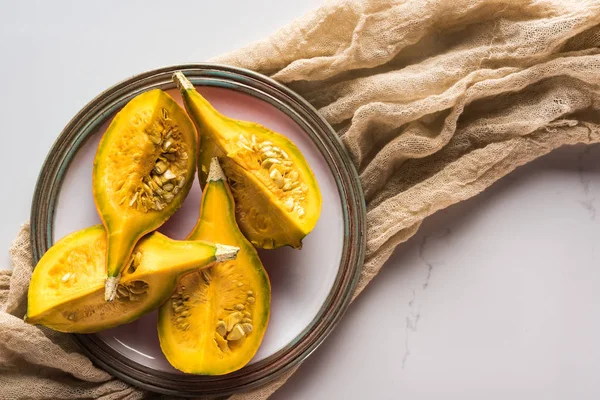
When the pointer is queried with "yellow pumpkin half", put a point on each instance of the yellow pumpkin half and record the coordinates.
(278, 201)
(66, 292)
(143, 170)
(216, 319)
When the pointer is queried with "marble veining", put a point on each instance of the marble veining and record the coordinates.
(588, 200)
(414, 310)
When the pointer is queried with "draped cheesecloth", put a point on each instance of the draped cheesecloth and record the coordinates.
(434, 100)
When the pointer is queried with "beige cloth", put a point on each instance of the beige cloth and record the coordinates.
(435, 100)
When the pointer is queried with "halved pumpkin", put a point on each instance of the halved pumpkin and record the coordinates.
(67, 285)
(143, 170)
(278, 200)
(216, 319)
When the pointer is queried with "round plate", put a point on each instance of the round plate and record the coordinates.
(311, 288)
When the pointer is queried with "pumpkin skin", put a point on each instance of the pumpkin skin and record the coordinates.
(216, 319)
(278, 201)
(150, 140)
(67, 285)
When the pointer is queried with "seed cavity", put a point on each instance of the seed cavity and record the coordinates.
(280, 170)
(156, 188)
(132, 291)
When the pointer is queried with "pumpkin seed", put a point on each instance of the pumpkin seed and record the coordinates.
(278, 167)
(243, 139)
(289, 204)
(168, 175)
(236, 333)
(277, 178)
(122, 291)
(133, 199)
(138, 290)
(160, 167)
(157, 182)
(232, 319)
(247, 327)
(244, 146)
(166, 144)
(221, 328)
(269, 161)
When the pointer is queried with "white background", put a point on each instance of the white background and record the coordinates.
(495, 298)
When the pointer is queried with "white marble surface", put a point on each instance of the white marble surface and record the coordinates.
(494, 298)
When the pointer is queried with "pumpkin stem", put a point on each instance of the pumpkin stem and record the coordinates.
(110, 287)
(225, 253)
(182, 82)
(215, 172)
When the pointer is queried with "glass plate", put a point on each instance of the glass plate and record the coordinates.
(311, 288)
